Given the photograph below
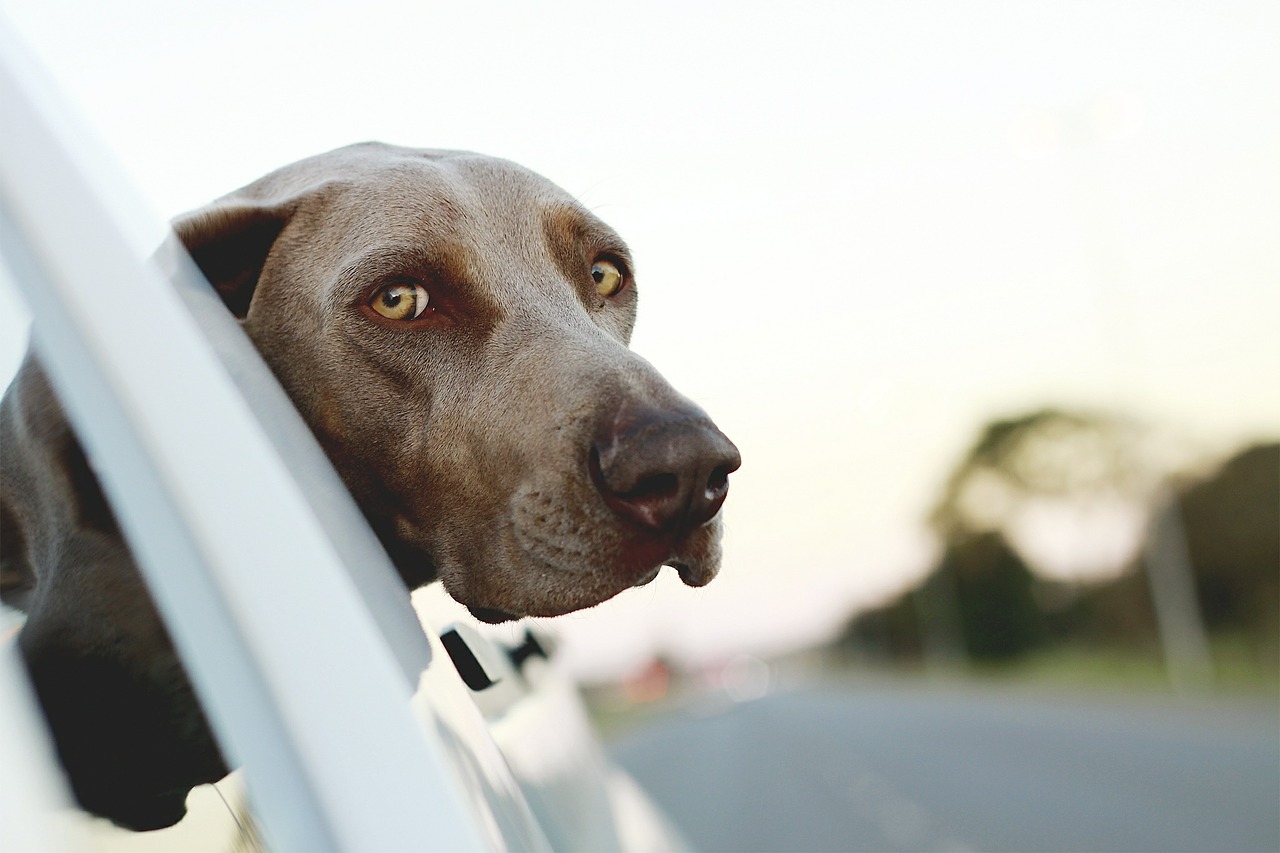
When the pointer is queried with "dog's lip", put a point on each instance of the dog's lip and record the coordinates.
(649, 577)
(492, 615)
(694, 576)
(688, 574)
(643, 560)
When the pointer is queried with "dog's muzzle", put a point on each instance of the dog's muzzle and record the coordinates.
(665, 471)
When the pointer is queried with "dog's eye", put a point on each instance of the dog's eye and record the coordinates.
(401, 301)
(607, 276)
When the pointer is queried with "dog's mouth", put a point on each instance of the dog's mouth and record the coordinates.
(694, 557)
(644, 557)
(688, 575)
(691, 576)
(648, 577)
(492, 615)
(557, 547)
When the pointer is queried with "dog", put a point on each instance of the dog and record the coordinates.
(454, 329)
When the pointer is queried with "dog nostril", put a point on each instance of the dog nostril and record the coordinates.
(656, 486)
(718, 481)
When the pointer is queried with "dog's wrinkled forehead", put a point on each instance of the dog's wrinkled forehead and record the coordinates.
(475, 217)
(487, 241)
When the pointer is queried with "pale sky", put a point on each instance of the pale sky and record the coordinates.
(862, 229)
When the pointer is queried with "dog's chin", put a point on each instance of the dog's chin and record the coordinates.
(555, 589)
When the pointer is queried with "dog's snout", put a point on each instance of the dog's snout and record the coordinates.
(666, 470)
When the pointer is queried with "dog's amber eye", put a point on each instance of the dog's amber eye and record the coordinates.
(401, 301)
(607, 276)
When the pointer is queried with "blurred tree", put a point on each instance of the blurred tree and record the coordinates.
(887, 634)
(1050, 453)
(1048, 458)
(995, 608)
(1211, 555)
(979, 604)
(1231, 522)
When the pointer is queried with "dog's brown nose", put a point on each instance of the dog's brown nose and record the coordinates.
(665, 469)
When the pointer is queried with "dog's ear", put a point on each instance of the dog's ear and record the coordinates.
(230, 241)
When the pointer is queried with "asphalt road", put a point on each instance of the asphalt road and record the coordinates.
(900, 768)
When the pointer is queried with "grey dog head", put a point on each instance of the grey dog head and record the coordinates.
(455, 328)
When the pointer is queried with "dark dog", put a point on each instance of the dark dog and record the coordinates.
(454, 328)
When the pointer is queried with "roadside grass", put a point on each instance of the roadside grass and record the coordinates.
(1237, 670)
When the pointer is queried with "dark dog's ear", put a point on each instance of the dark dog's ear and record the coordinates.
(230, 242)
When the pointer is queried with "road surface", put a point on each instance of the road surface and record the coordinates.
(928, 768)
